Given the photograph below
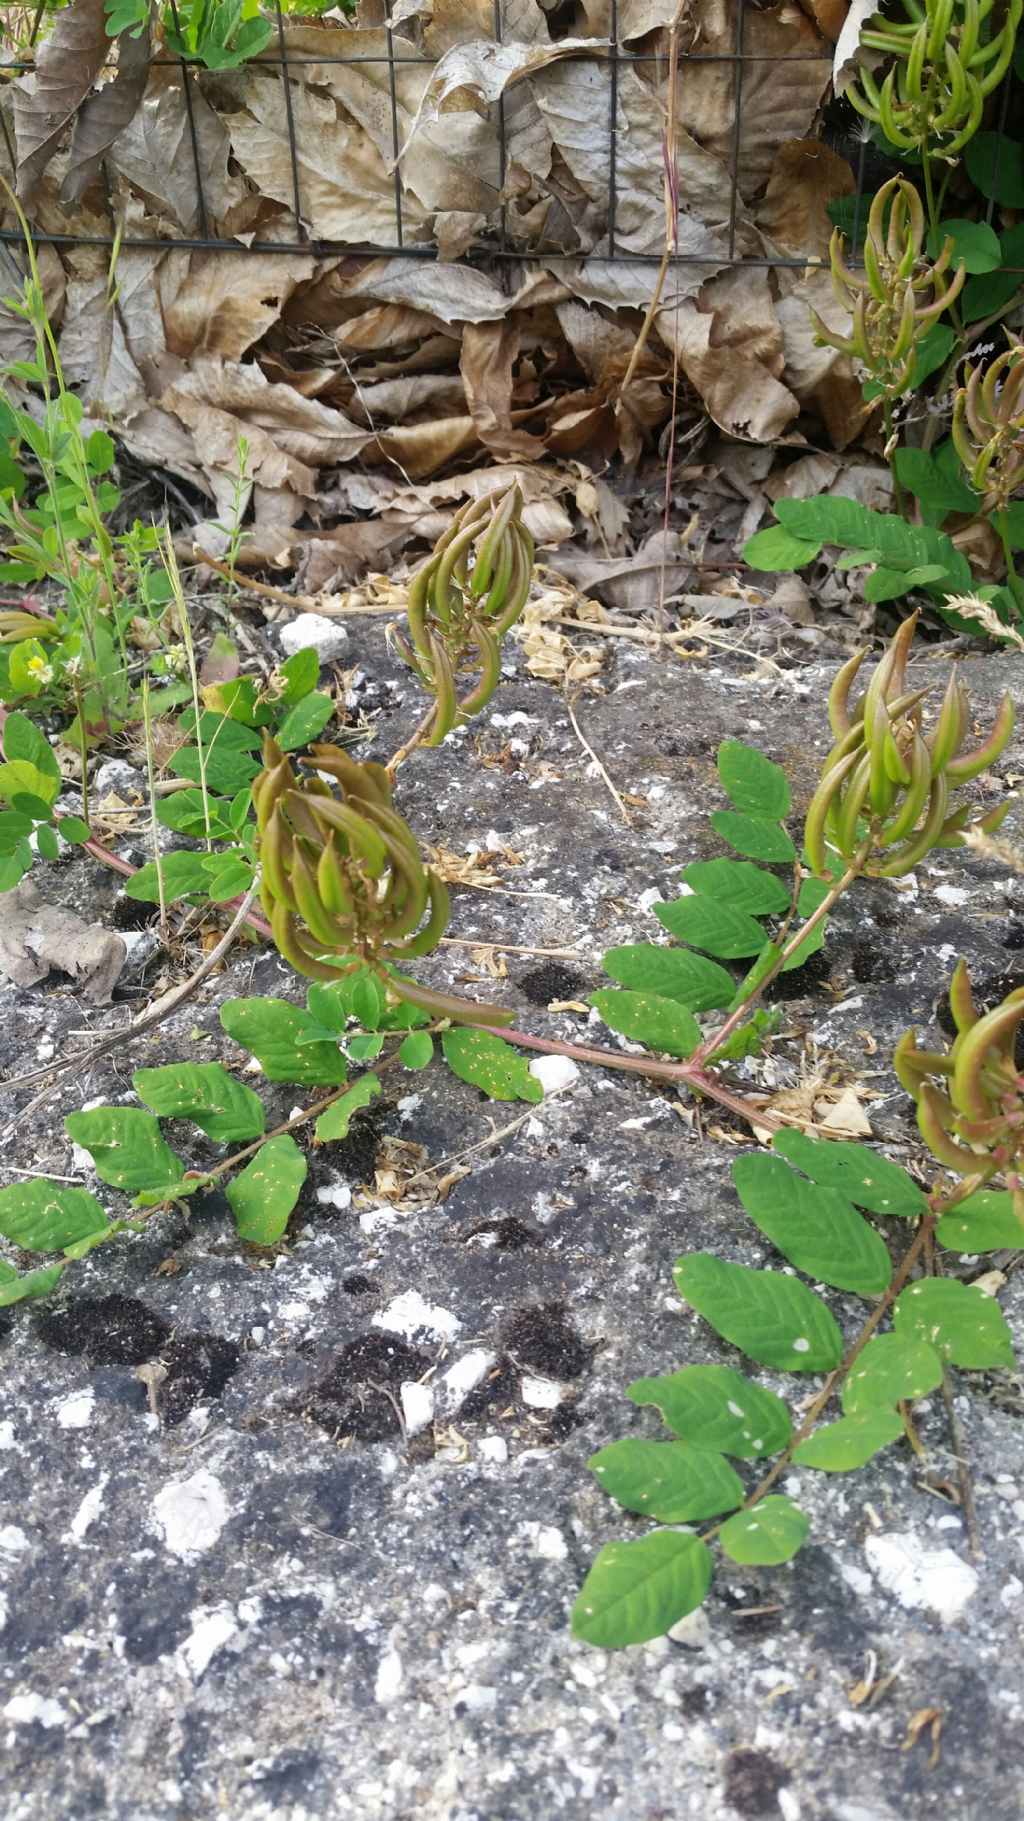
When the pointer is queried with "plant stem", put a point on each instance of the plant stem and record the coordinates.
(415, 739)
(1013, 581)
(737, 1015)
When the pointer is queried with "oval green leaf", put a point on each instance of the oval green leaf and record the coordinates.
(670, 1481)
(265, 1193)
(671, 973)
(892, 1369)
(756, 836)
(773, 1318)
(862, 1175)
(722, 929)
(736, 882)
(816, 1228)
(222, 1107)
(766, 1535)
(752, 782)
(42, 1216)
(488, 1062)
(841, 1446)
(963, 1324)
(636, 1591)
(716, 1408)
(661, 1024)
(127, 1148)
(984, 1222)
(335, 1122)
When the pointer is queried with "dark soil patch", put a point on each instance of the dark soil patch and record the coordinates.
(804, 982)
(109, 1330)
(543, 1340)
(499, 1390)
(510, 1234)
(359, 1395)
(752, 1782)
(869, 963)
(552, 981)
(198, 1367)
(131, 914)
(356, 1155)
(358, 1284)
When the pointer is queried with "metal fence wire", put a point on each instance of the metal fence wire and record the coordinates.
(495, 243)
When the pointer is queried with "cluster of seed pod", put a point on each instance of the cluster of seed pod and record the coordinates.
(900, 293)
(947, 58)
(472, 587)
(975, 1120)
(883, 801)
(343, 883)
(988, 426)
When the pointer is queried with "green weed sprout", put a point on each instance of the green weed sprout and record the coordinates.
(900, 293)
(973, 1123)
(947, 58)
(462, 601)
(343, 884)
(883, 801)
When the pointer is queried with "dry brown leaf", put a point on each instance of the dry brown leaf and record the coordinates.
(35, 937)
(805, 176)
(489, 352)
(821, 376)
(154, 152)
(730, 348)
(68, 61)
(223, 304)
(17, 336)
(106, 112)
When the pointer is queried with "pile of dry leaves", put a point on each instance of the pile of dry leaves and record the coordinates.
(357, 379)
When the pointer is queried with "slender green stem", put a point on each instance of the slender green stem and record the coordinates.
(1014, 582)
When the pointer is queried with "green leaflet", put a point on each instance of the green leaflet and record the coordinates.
(278, 1035)
(892, 1369)
(752, 782)
(671, 973)
(670, 1481)
(661, 1024)
(755, 836)
(816, 1228)
(42, 1216)
(769, 1533)
(127, 1148)
(204, 1092)
(416, 1051)
(963, 1324)
(736, 882)
(984, 1222)
(839, 1447)
(636, 1591)
(773, 1318)
(304, 722)
(265, 1193)
(864, 1176)
(716, 1408)
(721, 928)
(335, 1122)
(775, 548)
(488, 1062)
(15, 1288)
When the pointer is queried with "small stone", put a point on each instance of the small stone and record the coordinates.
(541, 1393)
(311, 631)
(554, 1072)
(115, 777)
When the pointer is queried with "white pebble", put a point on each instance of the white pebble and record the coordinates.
(312, 631)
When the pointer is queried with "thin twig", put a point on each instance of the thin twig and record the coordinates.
(415, 739)
(168, 1004)
(507, 948)
(305, 603)
(485, 1144)
(585, 743)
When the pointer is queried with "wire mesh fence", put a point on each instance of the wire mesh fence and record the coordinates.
(497, 241)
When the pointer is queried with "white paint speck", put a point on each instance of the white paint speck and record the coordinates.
(390, 1677)
(212, 1628)
(7, 1435)
(75, 1411)
(550, 1543)
(417, 1406)
(951, 894)
(335, 1195)
(935, 1579)
(13, 1540)
(493, 1448)
(39, 1710)
(554, 1072)
(191, 1514)
(463, 1377)
(409, 1315)
(88, 1511)
(541, 1393)
(801, 1345)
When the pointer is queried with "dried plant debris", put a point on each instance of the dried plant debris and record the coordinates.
(35, 937)
(412, 366)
